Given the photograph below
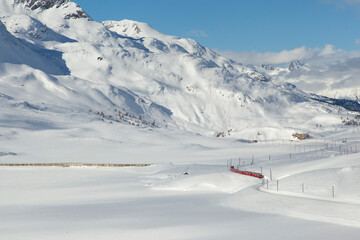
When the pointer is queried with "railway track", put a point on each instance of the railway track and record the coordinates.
(71, 165)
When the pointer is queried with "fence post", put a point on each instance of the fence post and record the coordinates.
(270, 174)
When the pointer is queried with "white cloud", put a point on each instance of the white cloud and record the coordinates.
(282, 57)
(357, 41)
(338, 78)
(315, 56)
(328, 50)
(333, 72)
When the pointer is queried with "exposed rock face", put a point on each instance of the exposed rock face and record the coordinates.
(295, 65)
(268, 67)
(47, 4)
(301, 136)
(79, 14)
(42, 4)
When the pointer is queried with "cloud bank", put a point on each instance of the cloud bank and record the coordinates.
(317, 56)
(333, 72)
(282, 57)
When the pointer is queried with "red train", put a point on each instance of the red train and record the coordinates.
(248, 173)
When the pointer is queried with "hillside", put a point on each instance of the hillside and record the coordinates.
(84, 102)
(128, 72)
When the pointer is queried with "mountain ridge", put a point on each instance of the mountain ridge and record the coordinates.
(41, 4)
(108, 70)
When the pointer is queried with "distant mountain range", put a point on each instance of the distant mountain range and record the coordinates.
(337, 80)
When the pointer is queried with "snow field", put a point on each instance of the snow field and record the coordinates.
(88, 203)
(61, 77)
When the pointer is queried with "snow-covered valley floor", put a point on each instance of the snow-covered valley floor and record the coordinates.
(161, 201)
(73, 90)
(80, 203)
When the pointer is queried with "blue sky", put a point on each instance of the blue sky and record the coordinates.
(243, 26)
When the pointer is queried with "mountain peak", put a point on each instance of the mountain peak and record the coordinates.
(295, 65)
(133, 29)
(73, 11)
(269, 67)
(41, 4)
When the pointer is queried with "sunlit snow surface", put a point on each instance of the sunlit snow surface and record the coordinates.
(188, 192)
(76, 91)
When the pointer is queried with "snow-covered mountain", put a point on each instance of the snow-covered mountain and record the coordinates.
(297, 65)
(57, 60)
(338, 78)
(42, 4)
(77, 92)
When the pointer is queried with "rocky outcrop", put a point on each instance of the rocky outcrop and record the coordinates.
(295, 65)
(42, 4)
(301, 136)
(47, 4)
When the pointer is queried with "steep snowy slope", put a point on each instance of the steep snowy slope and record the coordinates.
(128, 72)
(34, 70)
(17, 51)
